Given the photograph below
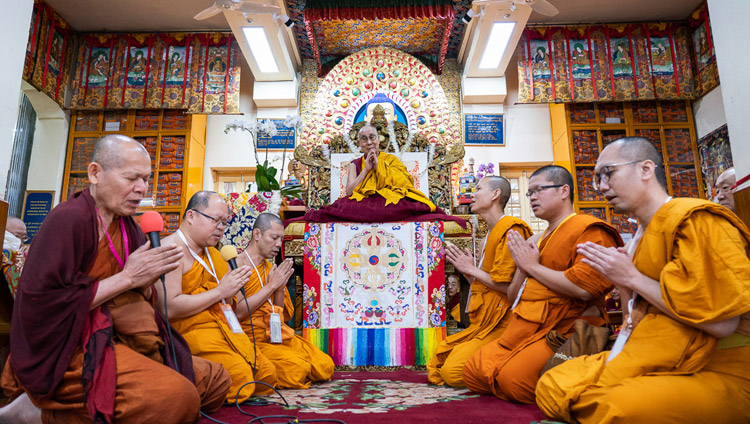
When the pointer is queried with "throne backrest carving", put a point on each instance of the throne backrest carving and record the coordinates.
(424, 120)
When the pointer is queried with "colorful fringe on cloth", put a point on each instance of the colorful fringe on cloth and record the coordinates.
(377, 346)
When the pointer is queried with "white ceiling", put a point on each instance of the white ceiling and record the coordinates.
(173, 15)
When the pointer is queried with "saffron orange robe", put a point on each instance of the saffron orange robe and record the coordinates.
(208, 335)
(298, 362)
(487, 309)
(669, 371)
(510, 366)
(392, 181)
(142, 380)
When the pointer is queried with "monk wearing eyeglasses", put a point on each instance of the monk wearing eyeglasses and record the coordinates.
(683, 354)
(551, 288)
(201, 295)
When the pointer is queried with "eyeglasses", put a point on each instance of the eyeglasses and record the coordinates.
(23, 237)
(605, 173)
(216, 221)
(533, 191)
(372, 137)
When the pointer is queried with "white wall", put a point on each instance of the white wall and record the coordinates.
(708, 112)
(235, 149)
(528, 132)
(730, 33)
(47, 164)
(16, 18)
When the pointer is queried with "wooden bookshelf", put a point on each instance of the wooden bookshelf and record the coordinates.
(167, 136)
(668, 124)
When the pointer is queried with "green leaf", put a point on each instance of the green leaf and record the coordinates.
(271, 172)
(274, 184)
(263, 184)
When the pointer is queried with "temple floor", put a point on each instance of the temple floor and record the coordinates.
(401, 395)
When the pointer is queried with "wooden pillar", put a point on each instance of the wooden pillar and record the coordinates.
(742, 204)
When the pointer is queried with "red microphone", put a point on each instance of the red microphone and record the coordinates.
(152, 224)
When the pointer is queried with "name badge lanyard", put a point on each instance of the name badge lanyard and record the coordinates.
(274, 321)
(234, 323)
(478, 265)
(627, 329)
(112, 245)
(538, 244)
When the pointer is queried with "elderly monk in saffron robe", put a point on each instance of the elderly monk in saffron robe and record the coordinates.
(551, 289)
(200, 298)
(684, 352)
(488, 301)
(298, 362)
(86, 342)
(379, 189)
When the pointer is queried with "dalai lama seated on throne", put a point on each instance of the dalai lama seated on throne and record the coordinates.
(379, 187)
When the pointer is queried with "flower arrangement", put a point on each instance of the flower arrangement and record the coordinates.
(265, 174)
(485, 169)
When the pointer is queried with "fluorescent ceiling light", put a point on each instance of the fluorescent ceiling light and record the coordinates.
(261, 49)
(496, 44)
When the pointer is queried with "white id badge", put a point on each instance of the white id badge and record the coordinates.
(622, 337)
(275, 323)
(234, 324)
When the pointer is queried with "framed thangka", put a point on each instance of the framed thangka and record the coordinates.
(580, 61)
(541, 62)
(605, 63)
(484, 129)
(285, 138)
(706, 70)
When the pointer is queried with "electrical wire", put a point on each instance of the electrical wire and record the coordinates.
(256, 418)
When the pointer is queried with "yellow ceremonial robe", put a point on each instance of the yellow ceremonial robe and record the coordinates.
(487, 308)
(390, 180)
(208, 335)
(298, 363)
(669, 371)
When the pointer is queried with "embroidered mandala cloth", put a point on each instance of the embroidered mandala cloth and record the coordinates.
(374, 293)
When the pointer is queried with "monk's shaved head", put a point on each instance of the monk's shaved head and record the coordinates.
(264, 221)
(15, 226)
(557, 175)
(640, 149)
(199, 201)
(499, 183)
(109, 150)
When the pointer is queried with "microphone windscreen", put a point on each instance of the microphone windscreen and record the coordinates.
(152, 221)
(228, 252)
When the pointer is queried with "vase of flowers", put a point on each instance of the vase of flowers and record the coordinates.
(265, 174)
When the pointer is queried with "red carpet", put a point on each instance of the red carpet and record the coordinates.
(401, 396)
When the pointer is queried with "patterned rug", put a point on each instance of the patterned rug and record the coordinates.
(395, 396)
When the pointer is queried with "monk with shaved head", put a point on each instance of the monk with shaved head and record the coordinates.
(683, 354)
(201, 289)
(550, 290)
(723, 186)
(490, 279)
(87, 344)
(298, 362)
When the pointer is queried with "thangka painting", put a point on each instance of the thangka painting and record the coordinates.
(197, 72)
(704, 56)
(716, 157)
(605, 63)
(374, 294)
(48, 52)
